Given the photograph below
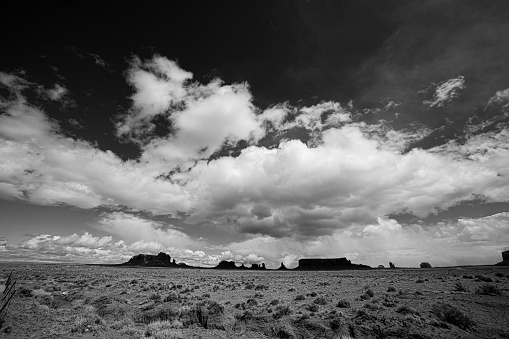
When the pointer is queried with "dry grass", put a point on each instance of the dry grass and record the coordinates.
(452, 315)
(488, 289)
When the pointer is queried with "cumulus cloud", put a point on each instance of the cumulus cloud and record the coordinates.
(203, 117)
(348, 179)
(159, 83)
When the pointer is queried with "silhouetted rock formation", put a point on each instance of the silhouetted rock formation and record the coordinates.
(282, 267)
(329, 264)
(162, 259)
(425, 265)
(226, 265)
(391, 265)
(505, 259)
(257, 267)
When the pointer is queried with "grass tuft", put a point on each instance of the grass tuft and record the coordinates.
(452, 315)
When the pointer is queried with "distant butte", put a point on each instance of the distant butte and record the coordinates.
(148, 260)
(505, 259)
(331, 264)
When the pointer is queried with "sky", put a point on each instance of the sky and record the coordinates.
(256, 131)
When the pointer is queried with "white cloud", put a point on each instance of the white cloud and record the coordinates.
(466, 241)
(500, 98)
(146, 232)
(445, 92)
(225, 114)
(85, 240)
(57, 92)
(24, 123)
(348, 179)
(159, 83)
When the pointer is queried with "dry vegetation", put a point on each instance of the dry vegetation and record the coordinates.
(56, 301)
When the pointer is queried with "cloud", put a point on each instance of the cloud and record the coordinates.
(202, 117)
(445, 92)
(159, 83)
(145, 232)
(336, 183)
(350, 178)
(57, 93)
(465, 241)
(40, 165)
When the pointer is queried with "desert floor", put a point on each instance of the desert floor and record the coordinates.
(63, 301)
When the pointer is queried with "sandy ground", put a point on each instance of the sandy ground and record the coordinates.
(59, 301)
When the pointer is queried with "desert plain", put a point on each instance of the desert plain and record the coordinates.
(79, 301)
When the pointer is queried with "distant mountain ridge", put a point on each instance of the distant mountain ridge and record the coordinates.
(316, 264)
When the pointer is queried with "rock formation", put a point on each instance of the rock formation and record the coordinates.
(391, 265)
(282, 267)
(160, 260)
(257, 267)
(505, 259)
(226, 265)
(425, 265)
(381, 266)
(328, 264)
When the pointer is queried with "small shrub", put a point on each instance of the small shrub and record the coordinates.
(282, 310)
(460, 287)
(300, 297)
(313, 307)
(419, 281)
(365, 296)
(274, 302)
(261, 287)
(452, 315)
(160, 313)
(172, 296)
(500, 275)
(155, 297)
(313, 294)
(483, 278)
(391, 289)
(487, 289)
(370, 293)
(343, 303)
(372, 307)
(320, 301)
(252, 302)
(404, 309)
(250, 286)
(25, 292)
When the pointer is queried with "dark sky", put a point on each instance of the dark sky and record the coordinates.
(425, 80)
